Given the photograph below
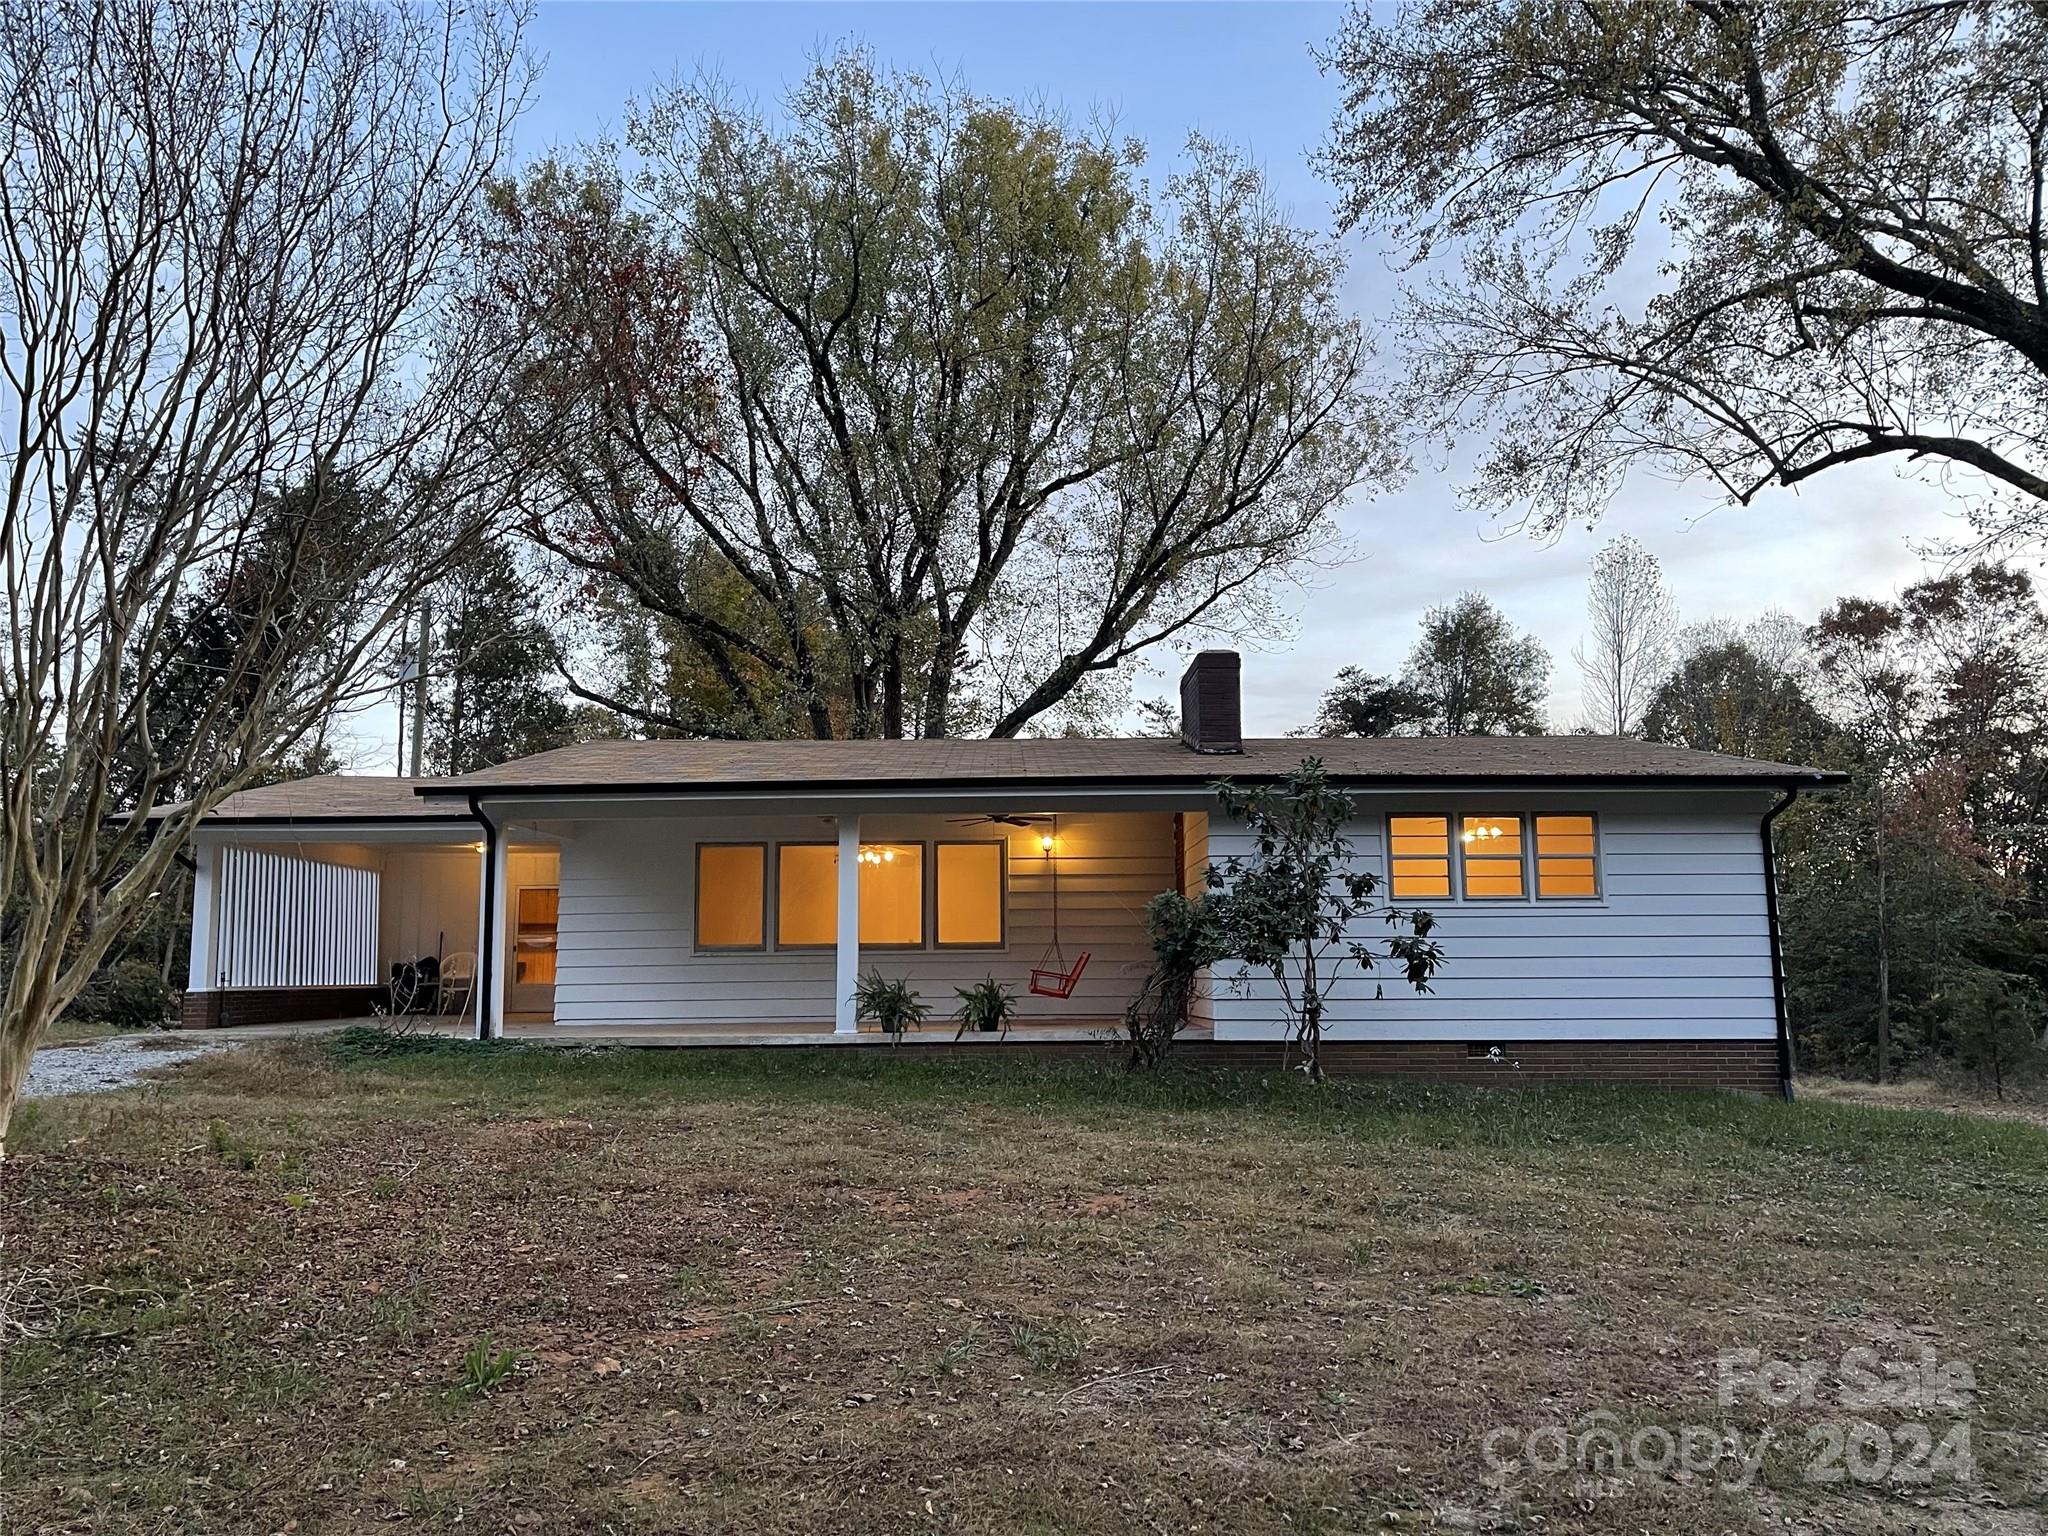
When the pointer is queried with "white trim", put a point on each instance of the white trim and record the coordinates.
(846, 948)
(500, 877)
(203, 968)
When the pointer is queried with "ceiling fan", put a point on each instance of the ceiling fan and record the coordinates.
(999, 819)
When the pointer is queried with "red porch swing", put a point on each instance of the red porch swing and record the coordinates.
(1051, 977)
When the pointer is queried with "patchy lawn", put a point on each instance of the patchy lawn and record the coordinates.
(302, 1288)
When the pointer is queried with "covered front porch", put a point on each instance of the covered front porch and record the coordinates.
(673, 924)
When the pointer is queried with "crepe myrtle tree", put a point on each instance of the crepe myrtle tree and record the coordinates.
(242, 413)
(1299, 907)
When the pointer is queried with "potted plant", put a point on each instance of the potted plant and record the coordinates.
(891, 1004)
(987, 1006)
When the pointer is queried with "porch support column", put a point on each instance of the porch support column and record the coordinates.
(203, 969)
(490, 984)
(846, 972)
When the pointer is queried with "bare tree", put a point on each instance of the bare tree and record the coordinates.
(234, 387)
(1634, 624)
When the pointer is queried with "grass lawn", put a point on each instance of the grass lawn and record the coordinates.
(851, 1292)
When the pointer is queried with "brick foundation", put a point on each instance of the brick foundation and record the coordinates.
(278, 1005)
(1745, 1066)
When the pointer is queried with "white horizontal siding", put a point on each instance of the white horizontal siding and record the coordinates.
(1678, 946)
(626, 952)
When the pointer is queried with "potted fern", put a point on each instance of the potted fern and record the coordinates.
(987, 1007)
(891, 1004)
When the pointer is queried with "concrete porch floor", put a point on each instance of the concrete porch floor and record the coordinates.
(540, 1031)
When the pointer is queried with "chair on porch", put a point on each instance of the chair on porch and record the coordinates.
(458, 983)
(1052, 976)
(1049, 983)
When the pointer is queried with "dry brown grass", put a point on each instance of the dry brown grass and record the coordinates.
(2024, 1104)
(826, 1295)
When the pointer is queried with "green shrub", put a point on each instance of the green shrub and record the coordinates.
(131, 994)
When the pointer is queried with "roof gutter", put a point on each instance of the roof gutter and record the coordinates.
(1777, 940)
(487, 937)
(781, 788)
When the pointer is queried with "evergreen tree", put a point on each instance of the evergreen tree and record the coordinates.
(492, 668)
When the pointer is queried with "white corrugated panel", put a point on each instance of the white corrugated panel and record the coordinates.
(290, 921)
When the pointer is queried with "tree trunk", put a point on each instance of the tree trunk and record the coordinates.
(1311, 1017)
(1884, 954)
(17, 1046)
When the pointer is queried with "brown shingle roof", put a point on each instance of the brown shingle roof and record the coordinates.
(338, 797)
(680, 765)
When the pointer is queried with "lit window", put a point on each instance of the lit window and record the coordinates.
(1420, 848)
(732, 895)
(806, 895)
(970, 894)
(892, 894)
(1566, 857)
(1490, 848)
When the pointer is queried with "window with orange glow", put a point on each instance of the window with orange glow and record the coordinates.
(806, 895)
(1419, 856)
(1567, 857)
(969, 905)
(892, 895)
(1490, 848)
(732, 895)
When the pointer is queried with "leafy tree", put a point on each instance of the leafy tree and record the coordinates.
(1997, 1028)
(1981, 640)
(1634, 628)
(492, 668)
(1295, 905)
(1361, 703)
(1725, 697)
(1940, 694)
(1469, 674)
(1188, 937)
(1845, 202)
(911, 412)
(1479, 676)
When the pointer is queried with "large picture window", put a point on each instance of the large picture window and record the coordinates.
(911, 895)
(732, 895)
(892, 895)
(969, 901)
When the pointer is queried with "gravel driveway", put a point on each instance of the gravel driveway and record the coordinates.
(119, 1061)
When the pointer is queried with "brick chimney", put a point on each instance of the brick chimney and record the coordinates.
(1211, 717)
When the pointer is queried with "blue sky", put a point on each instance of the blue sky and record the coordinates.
(1244, 73)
